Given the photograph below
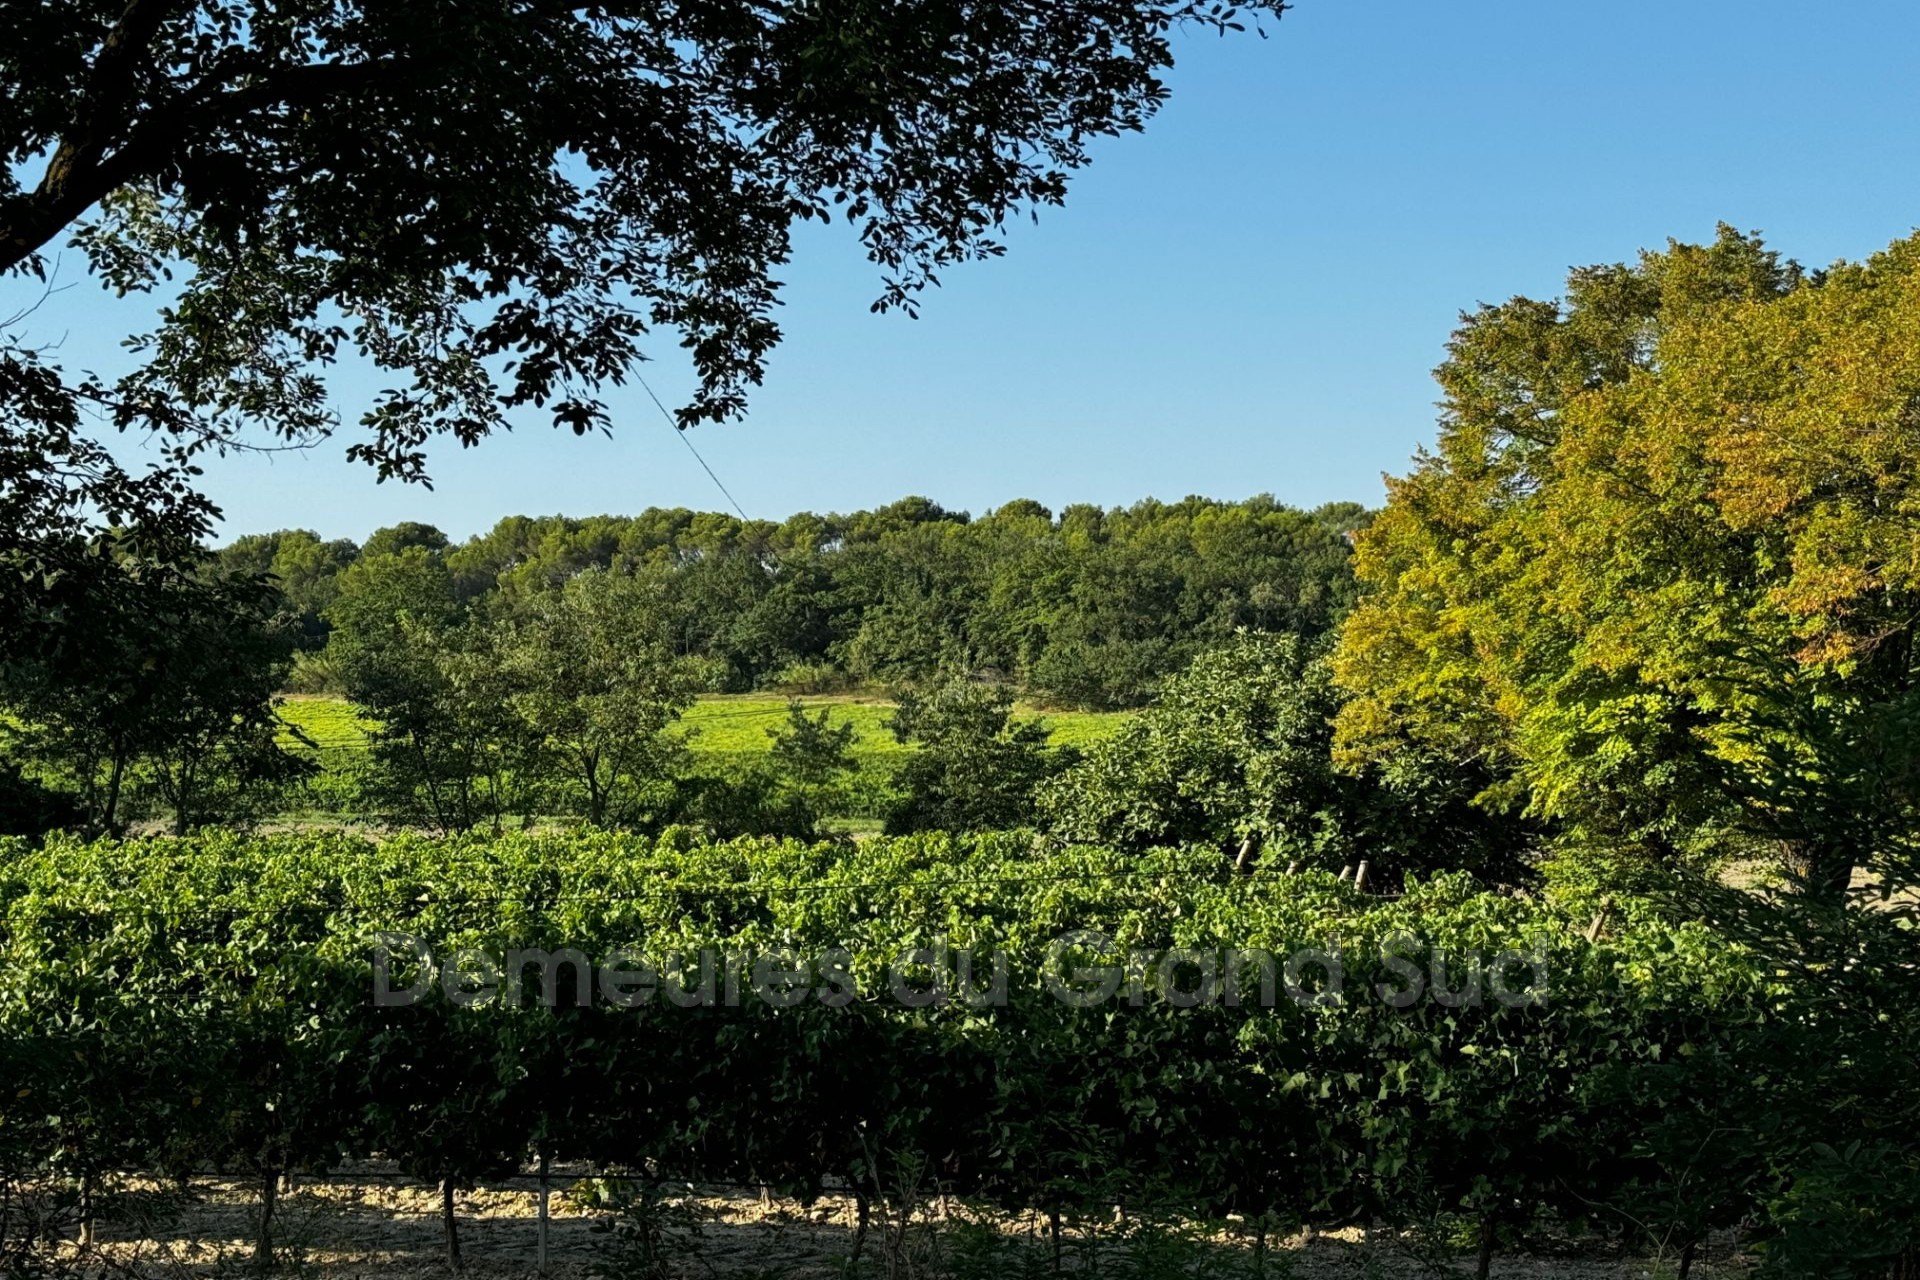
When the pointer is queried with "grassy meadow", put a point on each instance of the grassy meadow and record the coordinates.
(721, 725)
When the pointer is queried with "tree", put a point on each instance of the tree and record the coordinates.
(1238, 753)
(177, 690)
(376, 596)
(599, 688)
(1116, 628)
(1661, 563)
(1096, 610)
(449, 747)
(81, 537)
(977, 767)
(785, 793)
(220, 757)
(396, 538)
(810, 750)
(919, 577)
(449, 744)
(305, 569)
(813, 759)
(28, 807)
(495, 205)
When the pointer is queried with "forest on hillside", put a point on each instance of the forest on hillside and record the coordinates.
(1091, 608)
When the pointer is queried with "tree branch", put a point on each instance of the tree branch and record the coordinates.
(99, 116)
(78, 177)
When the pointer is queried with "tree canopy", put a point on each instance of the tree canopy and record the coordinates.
(1237, 751)
(493, 204)
(1663, 560)
(488, 208)
(1093, 608)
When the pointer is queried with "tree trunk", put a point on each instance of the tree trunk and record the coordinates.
(263, 1242)
(113, 793)
(862, 1217)
(1260, 1249)
(1053, 1232)
(1686, 1258)
(448, 1225)
(426, 776)
(1835, 879)
(1484, 1267)
(596, 796)
(180, 804)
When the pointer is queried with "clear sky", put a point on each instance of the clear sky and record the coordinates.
(1249, 297)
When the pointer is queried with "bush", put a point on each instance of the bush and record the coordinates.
(1849, 1213)
(749, 801)
(29, 808)
(811, 678)
(1238, 753)
(977, 768)
(316, 671)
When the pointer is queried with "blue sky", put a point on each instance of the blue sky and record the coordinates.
(1250, 296)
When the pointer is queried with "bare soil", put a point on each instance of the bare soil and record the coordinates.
(379, 1227)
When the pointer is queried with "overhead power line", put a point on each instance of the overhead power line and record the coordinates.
(681, 432)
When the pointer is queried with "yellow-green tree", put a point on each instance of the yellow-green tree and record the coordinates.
(1663, 564)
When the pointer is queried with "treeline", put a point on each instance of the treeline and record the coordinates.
(1477, 1070)
(540, 669)
(570, 712)
(1088, 608)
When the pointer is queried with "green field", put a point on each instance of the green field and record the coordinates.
(329, 723)
(720, 725)
(741, 723)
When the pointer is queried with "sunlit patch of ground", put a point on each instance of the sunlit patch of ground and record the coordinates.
(374, 1224)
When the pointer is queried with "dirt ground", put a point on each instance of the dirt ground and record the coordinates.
(378, 1227)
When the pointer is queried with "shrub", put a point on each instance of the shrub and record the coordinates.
(1238, 754)
(977, 768)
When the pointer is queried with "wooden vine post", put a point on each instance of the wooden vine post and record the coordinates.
(449, 1227)
(540, 1252)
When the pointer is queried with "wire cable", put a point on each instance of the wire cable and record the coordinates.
(680, 431)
